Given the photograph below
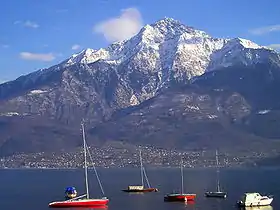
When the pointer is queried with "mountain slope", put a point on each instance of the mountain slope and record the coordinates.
(259, 83)
(189, 117)
(94, 84)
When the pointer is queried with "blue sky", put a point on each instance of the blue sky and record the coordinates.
(38, 34)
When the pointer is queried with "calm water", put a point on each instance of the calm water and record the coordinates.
(34, 189)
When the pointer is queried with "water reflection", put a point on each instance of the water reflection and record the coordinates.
(85, 208)
(258, 208)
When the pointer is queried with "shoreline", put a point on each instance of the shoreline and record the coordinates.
(149, 167)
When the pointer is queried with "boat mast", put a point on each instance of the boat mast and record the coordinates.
(182, 177)
(141, 169)
(218, 178)
(85, 156)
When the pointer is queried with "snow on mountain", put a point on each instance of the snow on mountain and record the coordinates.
(129, 72)
(247, 43)
(174, 51)
(167, 47)
(37, 92)
(240, 51)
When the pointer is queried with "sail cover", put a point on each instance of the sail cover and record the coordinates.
(70, 190)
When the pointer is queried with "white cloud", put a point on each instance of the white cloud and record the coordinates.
(75, 47)
(37, 56)
(274, 46)
(122, 27)
(265, 30)
(28, 24)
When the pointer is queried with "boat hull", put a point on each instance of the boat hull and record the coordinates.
(141, 190)
(256, 208)
(263, 202)
(180, 197)
(79, 203)
(216, 194)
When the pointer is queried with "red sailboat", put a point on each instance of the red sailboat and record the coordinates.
(83, 200)
(180, 196)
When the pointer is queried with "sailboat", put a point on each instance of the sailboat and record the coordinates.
(141, 188)
(218, 193)
(83, 200)
(180, 196)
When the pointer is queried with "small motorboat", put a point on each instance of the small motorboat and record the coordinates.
(255, 199)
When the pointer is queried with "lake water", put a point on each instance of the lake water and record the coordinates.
(34, 189)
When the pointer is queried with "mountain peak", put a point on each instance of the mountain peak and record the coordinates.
(171, 28)
(167, 20)
(87, 55)
(79, 57)
(245, 43)
(87, 51)
(171, 23)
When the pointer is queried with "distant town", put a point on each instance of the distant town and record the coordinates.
(114, 157)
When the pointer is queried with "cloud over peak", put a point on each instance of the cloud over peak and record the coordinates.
(274, 46)
(37, 56)
(122, 27)
(75, 47)
(265, 30)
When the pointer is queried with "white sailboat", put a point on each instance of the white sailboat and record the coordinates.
(141, 188)
(218, 193)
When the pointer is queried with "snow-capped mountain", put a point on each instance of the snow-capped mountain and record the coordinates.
(241, 52)
(167, 47)
(171, 48)
(129, 72)
(93, 84)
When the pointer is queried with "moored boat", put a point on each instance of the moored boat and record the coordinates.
(83, 200)
(185, 197)
(79, 202)
(218, 193)
(141, 188)
(180, 197)
(255, 199)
